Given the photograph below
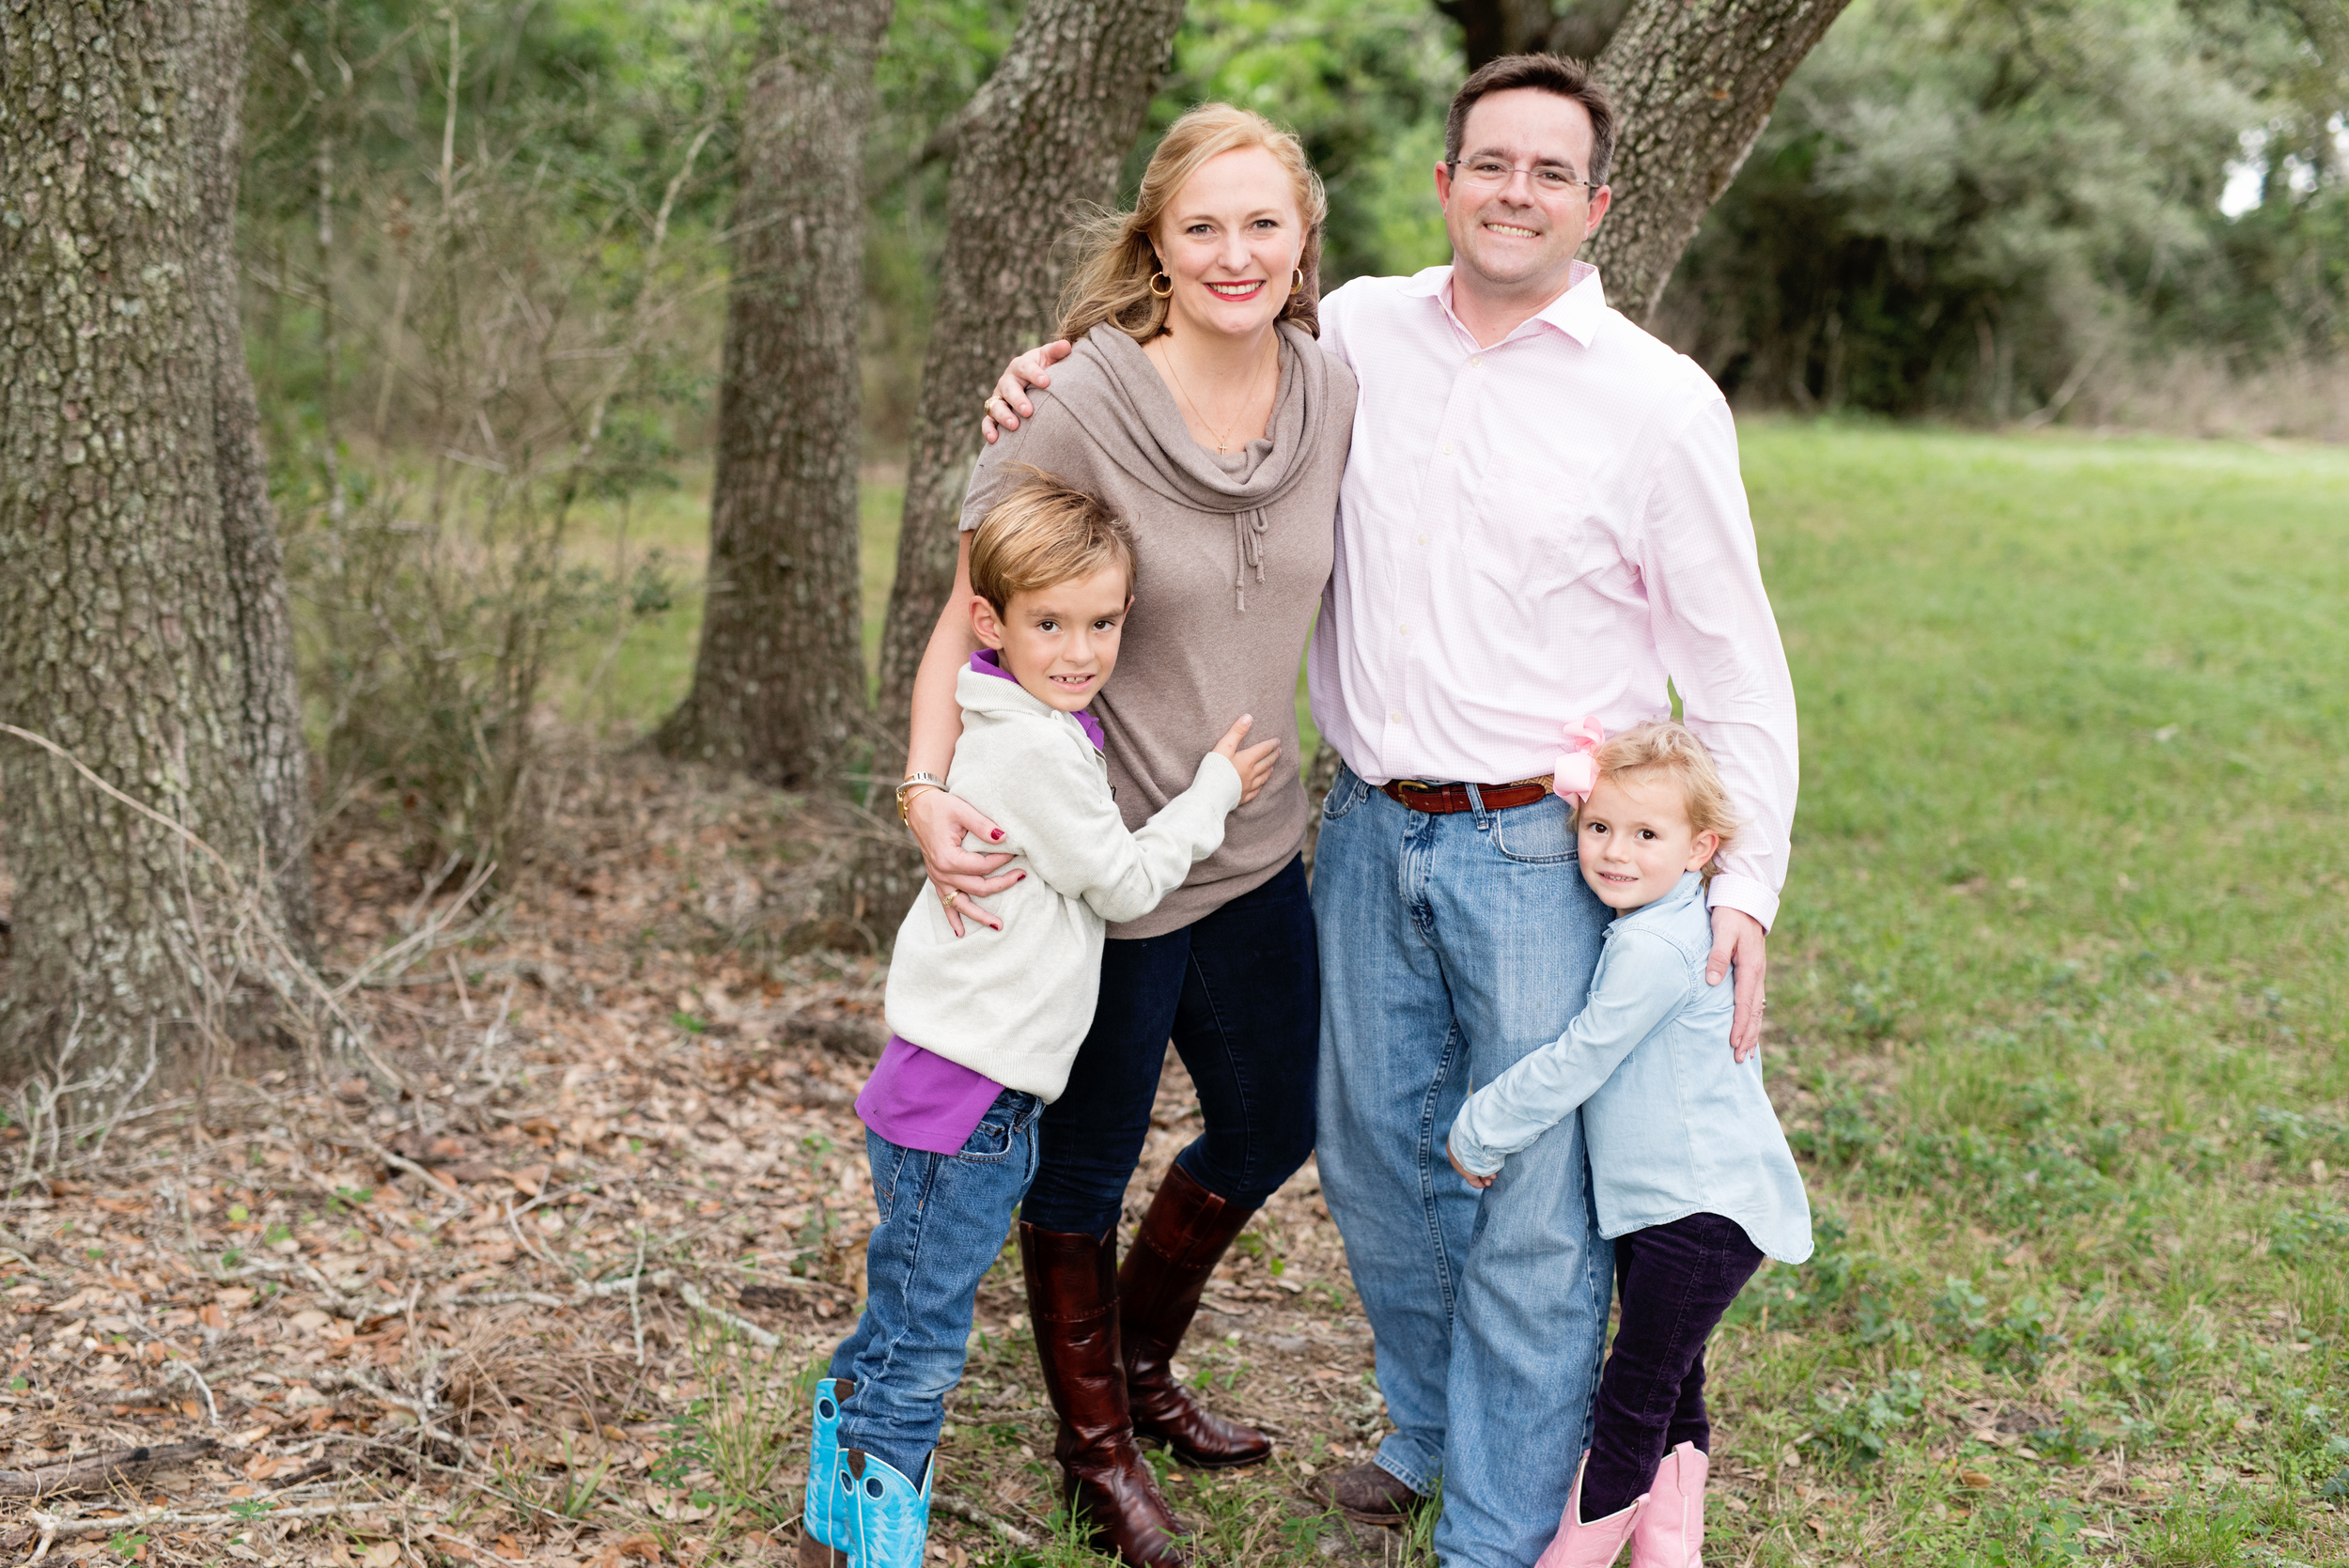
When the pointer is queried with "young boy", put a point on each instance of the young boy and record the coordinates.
(984, 1026)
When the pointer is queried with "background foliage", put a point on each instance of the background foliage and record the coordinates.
(1972, 209)
(1979, 206)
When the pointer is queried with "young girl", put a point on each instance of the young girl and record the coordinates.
(1691, 1174)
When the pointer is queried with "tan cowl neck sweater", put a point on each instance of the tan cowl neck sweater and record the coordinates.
(1233, 554)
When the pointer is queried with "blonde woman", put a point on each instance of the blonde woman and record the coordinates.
(1200, 407)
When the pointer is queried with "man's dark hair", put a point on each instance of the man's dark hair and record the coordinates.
(1549, 73)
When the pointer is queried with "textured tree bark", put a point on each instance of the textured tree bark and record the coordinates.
(271, 703)
(121, 634)
(1694, 82)
(1042, 139)
(779, 682)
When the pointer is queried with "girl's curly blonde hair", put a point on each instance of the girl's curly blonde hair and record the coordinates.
(1666, 747)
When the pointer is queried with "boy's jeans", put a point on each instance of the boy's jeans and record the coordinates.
(944, 1218)
(1453, 946)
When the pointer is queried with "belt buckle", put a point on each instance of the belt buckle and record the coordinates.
(1419, 787)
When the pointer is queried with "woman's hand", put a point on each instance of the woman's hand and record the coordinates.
(1253, 765)
(1479, 1183)
(1007, 405)
(938, 821)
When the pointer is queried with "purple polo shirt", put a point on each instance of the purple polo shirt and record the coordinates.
(916, 1098)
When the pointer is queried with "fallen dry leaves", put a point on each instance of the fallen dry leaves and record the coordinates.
(536, 1302)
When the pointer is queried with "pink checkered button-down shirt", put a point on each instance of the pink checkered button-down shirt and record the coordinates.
(1540, 530)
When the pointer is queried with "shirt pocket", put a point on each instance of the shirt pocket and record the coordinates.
(1530, 534)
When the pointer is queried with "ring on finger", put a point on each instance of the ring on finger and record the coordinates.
(947, 897)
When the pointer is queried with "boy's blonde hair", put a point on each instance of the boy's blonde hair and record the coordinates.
(1667, 749)
(1044, 533)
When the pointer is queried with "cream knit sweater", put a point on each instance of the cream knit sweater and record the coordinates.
(1014, 1004)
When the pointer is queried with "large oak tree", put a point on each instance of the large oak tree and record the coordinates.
(779, 683)
(1044, 138)
(143, 616)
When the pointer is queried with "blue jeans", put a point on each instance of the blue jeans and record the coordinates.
(944, 1218)
(1239, 991)
(1453, 946)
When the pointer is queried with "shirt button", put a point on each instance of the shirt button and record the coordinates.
(1478, 361)
(1406, 630)
(1447, 449)
(1395, 718)
(1422, 538)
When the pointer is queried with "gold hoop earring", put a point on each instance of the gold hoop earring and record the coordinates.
(1297, 283)
(1157, 293)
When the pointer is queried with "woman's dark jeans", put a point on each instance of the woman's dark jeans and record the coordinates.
(1239, 991)
(1675, 1280)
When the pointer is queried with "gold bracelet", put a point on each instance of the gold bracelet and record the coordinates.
(907, 785)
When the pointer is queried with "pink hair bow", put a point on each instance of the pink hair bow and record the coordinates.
(1576, 773)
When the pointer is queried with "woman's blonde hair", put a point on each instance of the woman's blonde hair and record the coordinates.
(1117, 252)
(1668, 749)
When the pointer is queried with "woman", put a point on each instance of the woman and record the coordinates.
(1198, 405)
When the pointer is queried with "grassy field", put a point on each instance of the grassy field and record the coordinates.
(2063, 965)
(2058, 997)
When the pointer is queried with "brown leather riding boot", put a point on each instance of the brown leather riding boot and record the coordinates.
(1183, 1237)
(1072, 1302)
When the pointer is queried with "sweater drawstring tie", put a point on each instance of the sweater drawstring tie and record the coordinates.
(1248, 531)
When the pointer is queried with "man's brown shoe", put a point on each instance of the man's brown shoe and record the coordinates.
(1366, 1495)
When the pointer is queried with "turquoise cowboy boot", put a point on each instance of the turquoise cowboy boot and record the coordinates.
(892, 1515)
(825, 1537)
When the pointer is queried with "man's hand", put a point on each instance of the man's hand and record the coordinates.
(938, 821)
(1007, 405)
(1479, 1183)
(1740, 943)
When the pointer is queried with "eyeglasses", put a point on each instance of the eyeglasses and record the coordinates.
(1491, 174)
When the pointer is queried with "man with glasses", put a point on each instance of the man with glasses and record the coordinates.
(1541, 519)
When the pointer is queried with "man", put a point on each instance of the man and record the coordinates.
(1542, 518)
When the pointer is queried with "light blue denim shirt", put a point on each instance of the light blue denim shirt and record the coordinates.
(1676, 1124)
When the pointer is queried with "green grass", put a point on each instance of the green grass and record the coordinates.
(2060, 979)
(2059, 989)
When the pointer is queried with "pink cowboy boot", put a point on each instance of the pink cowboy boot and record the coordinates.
(1594, 1544)
(1672, 1527)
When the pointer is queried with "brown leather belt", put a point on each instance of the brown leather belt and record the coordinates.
(1438, 799)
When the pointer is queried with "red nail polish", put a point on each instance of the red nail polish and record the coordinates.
(998, 835)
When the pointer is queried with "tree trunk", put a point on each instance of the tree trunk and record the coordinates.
(1044, 137)
(1491, 28)
(270, 703)
(1693, 84)
(121, 632)
(779, 683)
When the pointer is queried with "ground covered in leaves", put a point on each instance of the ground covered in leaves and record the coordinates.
(548, 1284)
